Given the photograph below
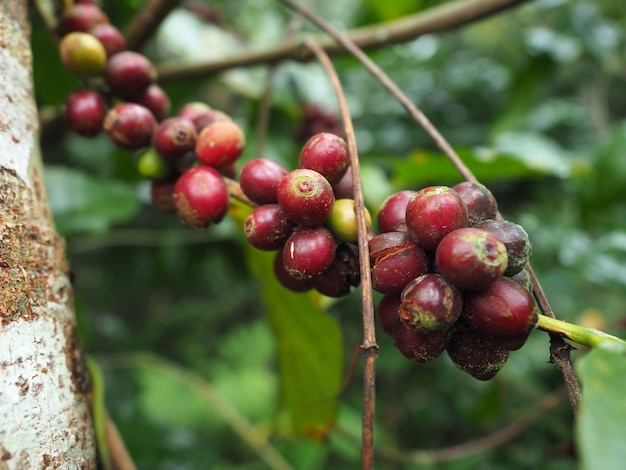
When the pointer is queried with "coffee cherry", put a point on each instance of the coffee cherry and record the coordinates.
(207, 118)
(480, 357)
(343, 274)
(523, 279)
(129, 126)
(432, 213)
(344, 189)
(110, 37)
(327, 154)
(471, 258)
(395, 261)
(129, 74)
(82, 18)
(306, 197)
(201, 197)
(480, 202)
(419, 347)
(83, 54)
(173, 137)
(393, 210)
(430, 303)
(387, 313)
(285, 279)
(84, 112)
(267, 227)
(259, 180)
(342, 220)
(151, 165)
(504, 312)
(220, 144)
(515, 240)
(162, 195)
(156, 100)
(309, 252)
(194, 109)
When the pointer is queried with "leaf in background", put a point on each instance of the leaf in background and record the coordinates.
(600, 429)
(310, 350)
(82, 203)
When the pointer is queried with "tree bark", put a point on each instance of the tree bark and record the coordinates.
(44, 415)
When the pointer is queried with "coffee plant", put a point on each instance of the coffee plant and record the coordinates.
(264, 219)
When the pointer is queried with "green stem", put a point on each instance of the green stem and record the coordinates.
(582, 335)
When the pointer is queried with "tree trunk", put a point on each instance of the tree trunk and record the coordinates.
(44, 416)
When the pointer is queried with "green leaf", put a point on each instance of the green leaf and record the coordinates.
(82, 203)
(600, 429)
(310, 350)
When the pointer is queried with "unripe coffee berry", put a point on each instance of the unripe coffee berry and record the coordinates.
(129, 126)
(173, 137)
(201, 197)
(327, 154)
(471, 258)
(220, 144)
(432, 213)
(129, 74)
(306, 197)
(342, 221)
(259, 179)
(430, 303)
(83, 54)
(84, 112)
(151, 165)
(309, 252)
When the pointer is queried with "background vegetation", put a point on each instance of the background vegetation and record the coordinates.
(185, 324)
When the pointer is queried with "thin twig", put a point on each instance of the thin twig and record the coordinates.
(120, 458)
(146, 22)
(369, 330)
(447, 16)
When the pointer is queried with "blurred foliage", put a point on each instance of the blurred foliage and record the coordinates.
(533, 100)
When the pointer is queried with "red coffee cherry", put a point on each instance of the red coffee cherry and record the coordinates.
(201, 197)
(162, 195)
(393, 210)
(82, 18)
(344, 189)
(419, 347)
(432, 213)
(286, 279)
(471, 258)
(387, 313)
(309, 252)
(480, 357)
(259, 179)
(110, 37)
(220, 144)
(343, 274)
(480, 202)
(84, 112)
(306, 197)
(504, 312)
(267, 227)
(129, 74)
(129, 126)
(156, 100)
(430, 303)
(327, 154)
(173, 137)
(516, 241)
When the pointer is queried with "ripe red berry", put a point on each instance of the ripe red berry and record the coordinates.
(393, 210)
(129, 74)
(420, 347)
(516, 241)
(219, 144)
(129, 126)
(84, 112)
(309, 252)
(267, 227)
(430, 303)
(395, 261)
(343, 274)
(201, 197)
(81, 17)
(504, 311)
(173, 137)
(156, 100)
(432, 213)
(344, 189)
(471, 258)
(327, 154)
(162, 195)
(387, 313)
(480, 202)
(110, 37)
(259, 179)
(480, 357)
(286, 279)
(306, 197)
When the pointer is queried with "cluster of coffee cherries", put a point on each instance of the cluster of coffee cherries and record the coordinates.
(454, 277)
(306, 215)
